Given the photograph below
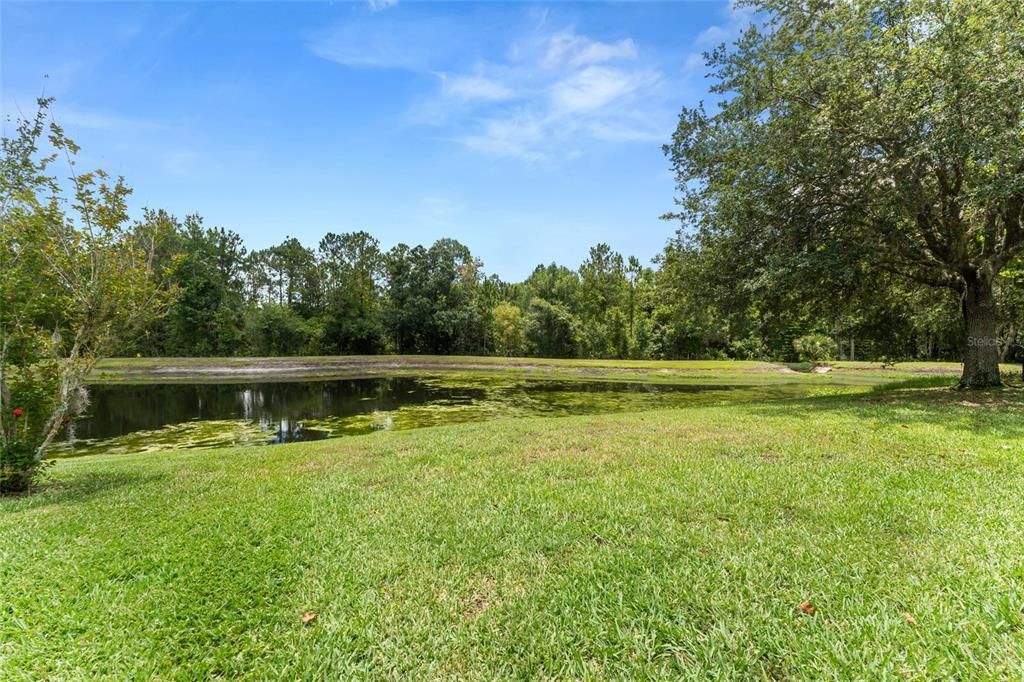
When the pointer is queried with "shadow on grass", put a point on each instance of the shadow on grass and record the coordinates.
(75, 489)
(931, 400)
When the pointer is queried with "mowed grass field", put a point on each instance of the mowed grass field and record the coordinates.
(872, 536)
(193, 370)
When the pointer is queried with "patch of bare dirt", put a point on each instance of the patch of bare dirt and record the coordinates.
(481, 595)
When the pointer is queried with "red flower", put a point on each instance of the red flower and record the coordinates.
(18, 412)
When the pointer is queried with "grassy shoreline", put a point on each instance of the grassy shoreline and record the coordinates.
(155, 370)
(669, 543)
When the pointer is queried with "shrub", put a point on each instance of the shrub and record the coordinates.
(815, 348)
(749, 348)
(29, 405)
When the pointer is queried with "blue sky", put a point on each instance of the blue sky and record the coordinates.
(528, 132)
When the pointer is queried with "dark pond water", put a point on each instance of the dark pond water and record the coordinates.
(138, 418)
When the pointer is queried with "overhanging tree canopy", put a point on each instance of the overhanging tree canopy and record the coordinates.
(886, 135)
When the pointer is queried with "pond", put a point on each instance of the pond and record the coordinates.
(146, 417)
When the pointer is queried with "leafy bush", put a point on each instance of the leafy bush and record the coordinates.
(551, 330)
(749, 348)
(275, 329)
(30, 401)
(815, 348)
(507, 329)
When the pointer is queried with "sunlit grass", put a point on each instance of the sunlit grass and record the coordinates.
(670, 543)
(159, 370)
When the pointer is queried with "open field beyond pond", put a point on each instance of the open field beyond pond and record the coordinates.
(159, 370)
(864, 536)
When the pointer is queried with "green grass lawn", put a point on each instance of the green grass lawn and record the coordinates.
(669, 543)
(193, 370)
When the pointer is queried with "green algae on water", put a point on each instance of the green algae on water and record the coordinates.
(143, 418)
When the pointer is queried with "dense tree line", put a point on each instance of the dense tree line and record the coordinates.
(349, 295)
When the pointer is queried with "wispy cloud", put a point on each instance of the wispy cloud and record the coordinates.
(568, 49)
(570, 89)
(475, 88)
(72, 117)
(378, 5)
(138, 141)
(518, 136)
(736, 21)
(596, 87)
(385, 42)
(535, 92)
(408, 39)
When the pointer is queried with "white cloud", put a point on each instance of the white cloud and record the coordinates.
(475, 88)
(569, 49)
(596, 87)
(568, 89)
(378, 5)
(386, 41)
(626, 131)
(539, 94)
(574, 90)
(513, 136)
(736, 20)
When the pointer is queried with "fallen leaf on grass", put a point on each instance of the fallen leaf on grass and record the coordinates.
(808, 608)
(909, 617)
(308, 618)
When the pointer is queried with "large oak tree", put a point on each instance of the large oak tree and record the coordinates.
(868, 136)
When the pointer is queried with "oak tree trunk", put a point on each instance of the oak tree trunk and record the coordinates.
(981, 359)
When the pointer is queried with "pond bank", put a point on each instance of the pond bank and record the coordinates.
(214, 370)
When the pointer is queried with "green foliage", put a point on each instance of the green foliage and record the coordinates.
(206, 316)
(32, 396)
(663, 544)
(429, 303)
(750, 348)
(73, 285)
(275, 329)
(507, 329)
(815, 348)
(352, 267)
(349, 297)
(857, 139)
(552, 331)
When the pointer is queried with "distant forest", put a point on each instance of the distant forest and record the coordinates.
(347, 295)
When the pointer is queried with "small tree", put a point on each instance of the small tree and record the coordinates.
(69, 285)
(507, 329)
